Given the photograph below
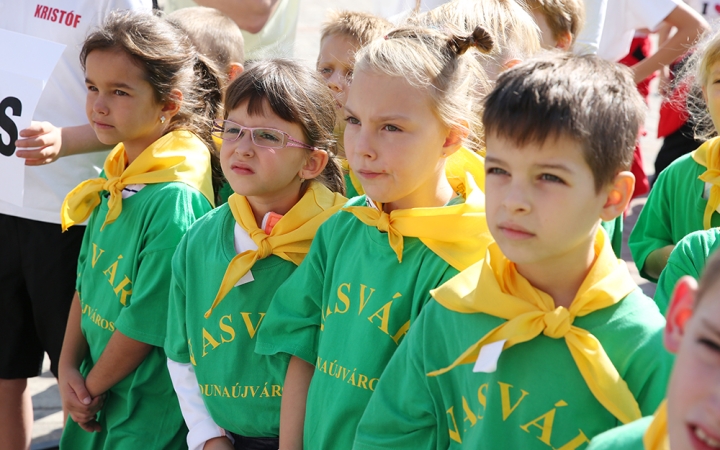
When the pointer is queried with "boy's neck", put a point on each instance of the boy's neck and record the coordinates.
(561, 277)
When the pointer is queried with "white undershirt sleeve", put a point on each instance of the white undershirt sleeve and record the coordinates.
(197, 418)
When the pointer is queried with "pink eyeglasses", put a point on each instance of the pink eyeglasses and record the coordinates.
(262, 137)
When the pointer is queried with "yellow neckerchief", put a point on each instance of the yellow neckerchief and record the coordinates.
(656, 436)
(289, 239)
(708, 156)
(353, 178)
(177, 156)
(457, 233)
(493, 286)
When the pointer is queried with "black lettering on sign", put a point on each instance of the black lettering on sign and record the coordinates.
(7, 124)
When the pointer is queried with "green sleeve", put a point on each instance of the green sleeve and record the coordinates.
(614, 229)
(626, 437)
(176, 341)
(82, 257)
(144, 318)
(401, 413)
(653, 228)
(687, 258)
(292, 323)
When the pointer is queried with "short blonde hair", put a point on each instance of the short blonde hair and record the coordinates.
(360, 26)
(215, 35)
(514, 31)
(695, 74)
(563, 16)
(440, 64)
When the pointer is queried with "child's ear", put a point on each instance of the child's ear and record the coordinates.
(510, 63)
(314, 165)
(680, 310)
(172, 105)
(564, 41)
(234, 71)
(455, 138)
(619, 194)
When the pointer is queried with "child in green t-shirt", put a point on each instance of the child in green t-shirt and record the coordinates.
(563, 342)
(342, 35)
(277, 149)
(686, 195)
(690, 419)
(151, 94)
(342, 314)
(687, 258)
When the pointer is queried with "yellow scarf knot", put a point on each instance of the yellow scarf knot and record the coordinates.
(708, 156)
(289, 239)
(458, 233)
(557, 323)
(177, 156)
(493, 286)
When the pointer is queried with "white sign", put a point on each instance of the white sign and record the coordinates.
(31, 61)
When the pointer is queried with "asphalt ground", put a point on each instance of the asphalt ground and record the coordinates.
(46, 399)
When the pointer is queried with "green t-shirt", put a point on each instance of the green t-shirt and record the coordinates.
(224, 193)
(535, 400)
(123, 282)
(345, 310)
(241, 389)
(687, 258)
(674, 209)
(614, 229)
(350, 190)
(626, 437)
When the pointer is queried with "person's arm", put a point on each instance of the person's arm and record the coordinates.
(121, 356)
(292, 408)
(249, 15)
(657, 260)
(690, 25)
(44, 143)
(76, 399)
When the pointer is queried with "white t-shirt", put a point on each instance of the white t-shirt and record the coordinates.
(63, 101)
(275, 40)
(397, 11)
(708, 9)
(623, 17)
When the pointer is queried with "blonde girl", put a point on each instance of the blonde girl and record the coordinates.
(150, 93)
(343, 313)
(277, 154)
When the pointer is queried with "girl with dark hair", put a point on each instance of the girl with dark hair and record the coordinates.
(277, 155)
(150, 94)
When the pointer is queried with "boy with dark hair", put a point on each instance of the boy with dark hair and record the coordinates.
(564, 343)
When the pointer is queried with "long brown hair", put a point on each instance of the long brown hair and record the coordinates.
(170, 62)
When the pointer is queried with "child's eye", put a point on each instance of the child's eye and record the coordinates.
(352, 121)
(711, 345)
(391, 128)
(551, 178)
(325, 71)
(92, 88)
(119, 92)
(495, 171)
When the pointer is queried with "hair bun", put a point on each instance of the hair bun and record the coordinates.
(480, 38)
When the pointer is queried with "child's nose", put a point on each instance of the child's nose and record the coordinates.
(516, 198)
(99, 105)
(336, 82)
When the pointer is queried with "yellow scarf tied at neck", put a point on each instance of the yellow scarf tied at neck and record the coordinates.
(458, 234)
(289, 239)
(494, 286)
(177, 156)
(656, 436)
(708, 156)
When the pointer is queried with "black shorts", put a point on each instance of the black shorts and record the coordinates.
(38, 269)
(250, 443)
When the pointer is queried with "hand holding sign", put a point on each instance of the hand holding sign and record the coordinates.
(21, 84)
